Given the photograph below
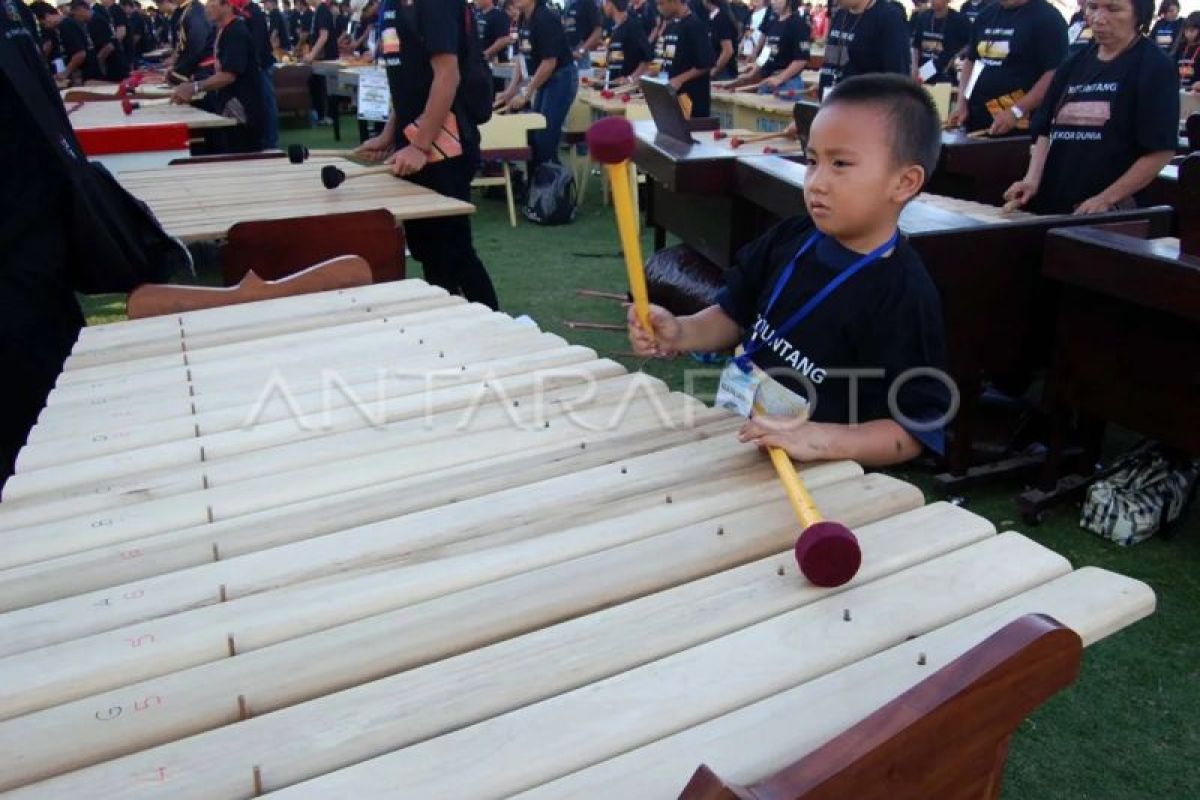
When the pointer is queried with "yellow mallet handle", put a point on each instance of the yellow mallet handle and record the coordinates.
(797, 492)
(622, 194)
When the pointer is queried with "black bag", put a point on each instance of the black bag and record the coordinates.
(116, 243)
(552, 195)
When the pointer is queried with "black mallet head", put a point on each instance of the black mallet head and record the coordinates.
(297, 153)
(331, 176)
(611, 140)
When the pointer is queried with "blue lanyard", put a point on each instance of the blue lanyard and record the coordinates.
(743, 361)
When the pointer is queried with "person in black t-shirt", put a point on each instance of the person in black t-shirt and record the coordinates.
(1015, 45)
(788, 40)
(629, 51)
(39, 315)
(277, 26)
(724, 31)
(304, 23)
(48, 22)
(826, 377)
(236, 84)
(194, 36)
(865, 36)
(939, 35)
(341, 21)
(323, 40)
(919, 8)
(687, 55)
(1186, 53)
(581, 24)
(431, 34)
(492, 28)
(1079, 33)
(646, 12)
(135, 30)
(260, 32)
(553, 76)
(971, 9)
(109, 50)
(77, 44)
(1109, 123)
(291, 13)
(1167, 26)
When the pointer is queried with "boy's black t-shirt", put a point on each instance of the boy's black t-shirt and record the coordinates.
(1100, 118)
(886, 318)
(490, 26)
(940, 40)
(278, 26)
(235, 53)
(877, 40)
(1163, 33)
(720, 29)
(1016, 46)
(323, 21)
(103, 32)
(579, 20)
(686, 46)
(788, 40)
(628, 48)
(542, 36)
(306, 22)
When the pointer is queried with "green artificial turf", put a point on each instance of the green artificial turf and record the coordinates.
(1128, 730)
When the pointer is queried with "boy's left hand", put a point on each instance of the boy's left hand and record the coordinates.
(802, 440)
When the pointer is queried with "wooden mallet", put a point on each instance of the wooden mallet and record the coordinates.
(738, 141)
(298, 153)
(827, 552)
(611, 142)
(332, 177)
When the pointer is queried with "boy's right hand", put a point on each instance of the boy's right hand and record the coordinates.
(664, 343)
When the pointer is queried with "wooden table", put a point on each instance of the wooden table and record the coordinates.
(1126, 349)
(479, 593)
(202, 202)
(91, 116)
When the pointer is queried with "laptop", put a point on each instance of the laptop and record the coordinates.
(665, 110)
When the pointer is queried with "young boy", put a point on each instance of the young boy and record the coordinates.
(833, 308)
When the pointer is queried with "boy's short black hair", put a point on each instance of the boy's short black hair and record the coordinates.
(77, 4)
(915, 125)
(41, 9)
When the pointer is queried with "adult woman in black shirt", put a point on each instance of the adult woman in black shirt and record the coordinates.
(939, 35)
(1109, 123)
(1186, 52)
(723, 30)
(553, 77)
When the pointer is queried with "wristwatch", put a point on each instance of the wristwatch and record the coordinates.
(1017, 112)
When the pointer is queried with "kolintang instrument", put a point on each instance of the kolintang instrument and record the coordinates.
(380, 537)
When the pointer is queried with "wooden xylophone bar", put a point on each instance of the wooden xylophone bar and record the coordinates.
(517, 582)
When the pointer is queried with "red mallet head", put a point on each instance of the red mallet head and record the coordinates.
(608, 94)
(611, 140)
(770, 151)
(719, 135)
(297, 153)
(828, 554)
(331, 176)
(736, 142)
(625, 98)
(128, 106)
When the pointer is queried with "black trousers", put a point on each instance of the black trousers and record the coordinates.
(39, 322)
(443, 245)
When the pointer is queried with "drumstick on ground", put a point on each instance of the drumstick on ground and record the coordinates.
(827, 552)
(611, 142)
(332, 177)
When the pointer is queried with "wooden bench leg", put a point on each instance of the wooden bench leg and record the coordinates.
(508, 193)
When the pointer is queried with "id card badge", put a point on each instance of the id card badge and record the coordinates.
(927, 71)
(737, 389)
(59, 66)
(975, 73)
(1074, 31)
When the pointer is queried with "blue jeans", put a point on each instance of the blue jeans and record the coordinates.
(271, 109)
(553, 102)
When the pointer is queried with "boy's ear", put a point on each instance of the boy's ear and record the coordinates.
(909, 183)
